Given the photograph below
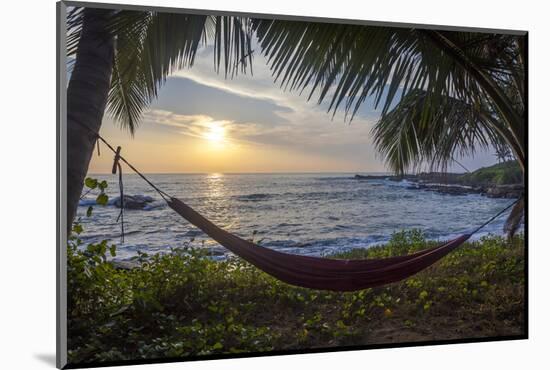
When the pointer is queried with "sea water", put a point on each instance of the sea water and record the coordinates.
(311, 214)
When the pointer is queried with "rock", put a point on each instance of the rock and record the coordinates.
(133, 201)
(505, 191)
(386, 177)
(500, 191)
(447, 189)
(370, 177)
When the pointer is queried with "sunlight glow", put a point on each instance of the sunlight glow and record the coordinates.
(215, 133)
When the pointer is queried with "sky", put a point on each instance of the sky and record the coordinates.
(205, 123)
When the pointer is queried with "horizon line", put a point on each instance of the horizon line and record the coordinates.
(267, 173)
(247, 173)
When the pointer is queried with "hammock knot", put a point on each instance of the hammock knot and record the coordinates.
(116, 163)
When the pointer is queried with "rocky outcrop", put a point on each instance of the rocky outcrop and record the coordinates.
(450, 183)
(372, 177)
(133, 201)
(447, 189)
(496, 191)
(505, 191)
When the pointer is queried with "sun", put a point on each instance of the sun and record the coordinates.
(215, 133)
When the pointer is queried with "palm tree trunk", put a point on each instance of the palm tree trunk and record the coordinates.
(86, 100)
(513, 221)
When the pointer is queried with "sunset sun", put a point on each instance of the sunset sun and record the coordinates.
(215, 133)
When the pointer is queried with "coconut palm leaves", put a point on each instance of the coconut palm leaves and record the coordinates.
(408, 136)
(346, 64)
(152, 45)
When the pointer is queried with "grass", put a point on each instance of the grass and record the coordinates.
(183, 303)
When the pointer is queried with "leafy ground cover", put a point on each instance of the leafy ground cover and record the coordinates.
(183, 303)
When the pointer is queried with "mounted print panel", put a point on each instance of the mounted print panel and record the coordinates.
(236, 185)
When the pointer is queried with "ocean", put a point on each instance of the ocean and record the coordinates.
(311, 214)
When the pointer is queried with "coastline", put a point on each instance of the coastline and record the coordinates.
(429, 183)
(502, 180)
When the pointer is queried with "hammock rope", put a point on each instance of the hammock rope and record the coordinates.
(308, 271)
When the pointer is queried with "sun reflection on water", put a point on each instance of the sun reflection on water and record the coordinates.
(218, 200)
(215, 186)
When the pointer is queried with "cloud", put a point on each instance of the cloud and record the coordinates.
(296, 120)
(198, 125)
(188, 97)
(263, 85)
(302, 131)
(204, 127)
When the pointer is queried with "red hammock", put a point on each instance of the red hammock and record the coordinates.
(316, 272)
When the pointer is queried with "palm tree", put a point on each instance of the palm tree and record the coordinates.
(503, 154)
(122, 58)
(441, 93)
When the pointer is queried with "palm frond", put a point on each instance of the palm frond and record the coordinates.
(416, 132)
(152, 45)
(346, 64)
(75, 18)
(490, 82)
(360, 61)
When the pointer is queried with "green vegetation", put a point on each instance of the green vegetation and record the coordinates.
(184, 303)
(505, 173)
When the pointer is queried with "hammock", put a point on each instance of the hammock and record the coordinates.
(317, 272)
(307, 271)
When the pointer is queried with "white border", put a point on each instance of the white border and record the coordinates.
(28, 182)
